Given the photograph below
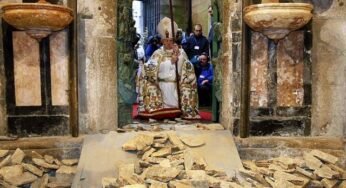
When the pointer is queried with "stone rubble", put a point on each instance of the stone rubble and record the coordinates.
(166, 161)
(34, 170)
(316, 169)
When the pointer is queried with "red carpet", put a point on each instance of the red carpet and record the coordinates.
(205, 115)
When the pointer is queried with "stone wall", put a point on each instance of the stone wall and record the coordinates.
(200, 14)
(97, 65)
(329, 71)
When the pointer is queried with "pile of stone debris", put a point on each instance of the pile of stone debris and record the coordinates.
(166, 160)
(34, 170)
(315, 169)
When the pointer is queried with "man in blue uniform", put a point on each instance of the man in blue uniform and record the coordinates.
(204, 80)
(196, 44)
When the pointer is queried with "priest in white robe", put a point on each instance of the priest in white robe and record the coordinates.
(159, 95)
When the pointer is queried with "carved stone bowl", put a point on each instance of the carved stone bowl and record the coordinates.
(276, 20)
(37, 19)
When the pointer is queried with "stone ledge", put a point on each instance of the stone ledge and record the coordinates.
(332, 143)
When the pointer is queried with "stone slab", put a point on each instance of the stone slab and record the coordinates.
(101, 154)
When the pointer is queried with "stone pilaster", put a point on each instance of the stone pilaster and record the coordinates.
(329, 71)
(97, 65)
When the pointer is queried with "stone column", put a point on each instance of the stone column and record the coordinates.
(97, 59)
(329, 71)
(226, 117)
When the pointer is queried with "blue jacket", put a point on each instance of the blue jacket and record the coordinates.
(151, 48)
(205, 73)
(196, 45)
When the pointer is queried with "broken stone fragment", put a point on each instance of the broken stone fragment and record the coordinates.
(40, 182)
(4, 184)
(3, 153)
(139, 142)
(256, 176)
(162, 174)
(285, 162)
(174, 139)
(157, 184)
(196, 174)
(306, 173)
(296, 180)
(275, 167)
(8, 172)
(326, 172)
(215, 173)
(133, 179)
(192, 161)
(163, 152)
(177, 162)
(315, 184)
(57, 162)
(192, 141)
(312, 162)
(324, 156)
(34, 154)
(5, 161)
(154, 160)
(189, 184)
(22, 179)
(343, 184)
(158, 145)
(17, 156)
(44, 164)
(165, 163)
(126, 170)
(263, 163)
(160, 141)
(67, 170)
(33, 169)
(141, 152)
(109, 182)
(253, 167)
(327, 183)
(148, 153)
(49, 159)
(144, 164)
(69, 162)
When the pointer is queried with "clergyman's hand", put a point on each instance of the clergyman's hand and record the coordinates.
(176, 54)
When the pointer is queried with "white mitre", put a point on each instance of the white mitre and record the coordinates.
(164, 28)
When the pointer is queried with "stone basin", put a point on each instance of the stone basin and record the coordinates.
(276, 20)
(37, 19)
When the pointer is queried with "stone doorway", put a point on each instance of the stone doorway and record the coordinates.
(126, 70)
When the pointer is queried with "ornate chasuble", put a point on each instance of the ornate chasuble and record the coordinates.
(158, 96)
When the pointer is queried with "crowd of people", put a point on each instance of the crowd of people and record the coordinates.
(165, 61)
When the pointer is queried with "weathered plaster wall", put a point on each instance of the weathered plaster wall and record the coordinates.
(200, 14)
(97, 65)
(329, 71)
